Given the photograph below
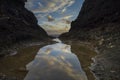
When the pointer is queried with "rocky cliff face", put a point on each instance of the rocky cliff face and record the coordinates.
(17, 24)
(99, 23)
(97, 12)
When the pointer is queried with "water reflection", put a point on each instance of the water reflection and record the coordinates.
(55, 62)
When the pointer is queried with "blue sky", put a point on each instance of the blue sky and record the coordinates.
(55, 14)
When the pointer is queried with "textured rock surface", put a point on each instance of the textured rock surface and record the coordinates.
(99, 23)
(96, 12)
(17, 24)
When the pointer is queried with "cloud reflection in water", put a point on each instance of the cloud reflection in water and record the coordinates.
(55, 62)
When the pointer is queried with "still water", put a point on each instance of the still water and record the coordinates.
(55, 62)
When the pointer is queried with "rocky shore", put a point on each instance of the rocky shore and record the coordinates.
(99, 24)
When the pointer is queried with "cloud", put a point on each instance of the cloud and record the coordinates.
(63, 10)
(68, 22)
(67, 17)
(40, 4)
(48, 6)
(50, 18)
(56, 25)
(62, 23)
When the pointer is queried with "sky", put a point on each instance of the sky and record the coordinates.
(55, 15)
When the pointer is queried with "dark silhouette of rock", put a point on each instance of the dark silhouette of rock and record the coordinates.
(99, 22)
(95, 13)
(17, 24)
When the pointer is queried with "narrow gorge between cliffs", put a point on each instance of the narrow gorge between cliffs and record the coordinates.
(59, 39)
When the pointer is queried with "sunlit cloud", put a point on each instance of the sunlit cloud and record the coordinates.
(63, 10)
(50, 18)
(48, 6)
(54, 15)
(67, 17)
(56, 26)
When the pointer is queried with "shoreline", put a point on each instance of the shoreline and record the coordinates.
(87, 48)
(13, 48)
(25, 53)
(105, 65)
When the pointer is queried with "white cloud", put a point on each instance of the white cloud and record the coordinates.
(62, 23)
(48, 6)
(40, 4)
(44, 8)
(50, 18)
(64, 10)
(68, 17)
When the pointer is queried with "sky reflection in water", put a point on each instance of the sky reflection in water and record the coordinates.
(55, 62)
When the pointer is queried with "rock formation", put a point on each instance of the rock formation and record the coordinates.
(99, 23)
(17, 24)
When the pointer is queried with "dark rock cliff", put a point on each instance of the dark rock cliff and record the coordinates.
(17, 24)
(99, 23)
(95, 13)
